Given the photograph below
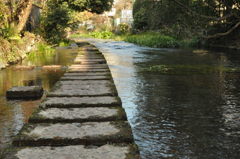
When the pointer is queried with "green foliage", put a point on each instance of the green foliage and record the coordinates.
(55, 20)
(140, 19)
(60, 15)
(184, 19)
(123, 28)
(101, 34)
(42, 54)
(153, 39)
(94, 6)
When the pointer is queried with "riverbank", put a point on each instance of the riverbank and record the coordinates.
(16, 49)
(149, 39)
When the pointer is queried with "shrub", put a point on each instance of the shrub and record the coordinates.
(153, 40)
(101, 34)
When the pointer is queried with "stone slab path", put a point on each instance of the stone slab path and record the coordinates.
(81, 118)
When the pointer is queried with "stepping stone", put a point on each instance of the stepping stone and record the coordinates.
(88, 70)
(87, 63)
(78, 102)
(97, 133)
(123, 151)
(22, 67)
(90, 56)
(95, 66)
(88, 74)
(88, 49)
(27, 92)
(65, 78)
(86, 83)
(83, 88)
(71, 115)
(84, 61)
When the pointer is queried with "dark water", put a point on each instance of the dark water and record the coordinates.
(183, 116)
(13, 114)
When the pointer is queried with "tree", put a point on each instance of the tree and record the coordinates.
(207, 19)
(94, 6)
(59, 14)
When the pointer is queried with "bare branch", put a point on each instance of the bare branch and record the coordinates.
(223, 34)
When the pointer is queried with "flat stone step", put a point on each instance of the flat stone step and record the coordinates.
(84, 61)
(97, 66)
(89, 49)
(97, 133)
(108, 151)
(78, 102)
(88, 62)
(90, 56)
(81, 88)
(90, 65)
(88, 74)
(64, 78)
(88, 70)
(25, 92)
(70, 115)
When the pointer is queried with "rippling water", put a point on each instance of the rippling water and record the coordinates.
(181, 116)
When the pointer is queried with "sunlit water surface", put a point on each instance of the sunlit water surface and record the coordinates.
(183, 116)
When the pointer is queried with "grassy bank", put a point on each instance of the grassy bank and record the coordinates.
(150, 39)
(29, 46)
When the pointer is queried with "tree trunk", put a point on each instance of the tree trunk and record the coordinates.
(22, 13)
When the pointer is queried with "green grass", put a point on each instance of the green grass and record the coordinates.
(43, 53)
(150, 39)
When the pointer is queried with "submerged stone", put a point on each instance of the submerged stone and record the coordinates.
(123, 151)
(87, 133)
(54, 115)
(25, 92)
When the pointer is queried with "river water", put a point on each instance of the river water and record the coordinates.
(178, 116)
(188, 115)
(14, 113)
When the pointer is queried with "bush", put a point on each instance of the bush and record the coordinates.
(54, 21)
(101, 34)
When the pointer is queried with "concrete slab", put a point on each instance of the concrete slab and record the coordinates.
(97, 66)
(86, 82)
(88, 70)
(86, 61)
(88, 74)
(70, 115)
(88, 48)
(65, 78)
(97, 133)
(78, 102)
(27, 92)
(81, 88)
(90, 56)
(123, 151)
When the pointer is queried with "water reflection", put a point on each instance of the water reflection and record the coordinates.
(13, 114)
(193, 116)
